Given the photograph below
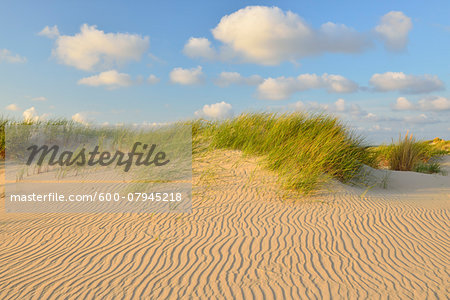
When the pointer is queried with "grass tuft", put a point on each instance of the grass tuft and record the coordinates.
(429, 168)
(407, 153)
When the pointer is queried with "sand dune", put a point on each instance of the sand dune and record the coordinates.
(246, 238)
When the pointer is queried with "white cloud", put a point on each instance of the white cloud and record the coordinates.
(80, 118)
(41, 98)
(187, 76)
(420, 119)
(111, 79)
(433, 103)
(199, 47)
(12, 107)
(93, 49)
(283, 87)
(7, 56)
(393, 29)
(229, 78)
(31, 115)
(378, 127)
(340, 107)
(219, 110)
(403, 104)
(152, 79)
(50, 32)
(411, 84)
(268, 36)
(371, 117)
(338, 84)
(146, 124)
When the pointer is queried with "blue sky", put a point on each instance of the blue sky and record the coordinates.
(380, 66)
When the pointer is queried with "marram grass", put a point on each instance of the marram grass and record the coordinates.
(305, 150)
(408, 154)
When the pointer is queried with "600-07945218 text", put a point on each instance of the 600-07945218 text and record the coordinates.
(102, 197)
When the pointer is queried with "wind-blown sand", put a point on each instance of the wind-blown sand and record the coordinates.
(246, 238)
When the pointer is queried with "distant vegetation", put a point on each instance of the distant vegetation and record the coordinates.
(408, 154)
(115, 136)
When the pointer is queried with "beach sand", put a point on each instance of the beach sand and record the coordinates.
(246, 238)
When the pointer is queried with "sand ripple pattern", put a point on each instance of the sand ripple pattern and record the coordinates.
(246, 238)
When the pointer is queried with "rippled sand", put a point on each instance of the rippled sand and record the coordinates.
(246, 238)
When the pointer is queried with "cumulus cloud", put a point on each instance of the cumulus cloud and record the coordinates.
(12, 107)
(31, 115)
(340, 106)
(433, 103)
(219, 110)
(199, 48)
(283, 87)
(229, 78)
(268, 36)
(111, 79)
(371, 117)
(402, 104)
(410, 84)
(187, 76)
(7, 56)
(146, 124)
(93, 49)
(152, 79)
(80, 118)
(393, 30)
(378, 127)
(50, 32)
(420, 119)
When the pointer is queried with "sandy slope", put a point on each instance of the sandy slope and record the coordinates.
(245, 238)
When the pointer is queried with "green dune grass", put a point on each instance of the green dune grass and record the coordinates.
(306, 150)
(409, 154)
